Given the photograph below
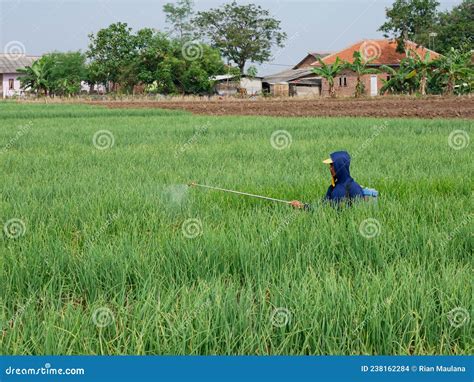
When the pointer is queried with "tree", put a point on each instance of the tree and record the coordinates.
(421, 66)
(112, 49)
(65, 72)
(93, 75)
(179, 17)
(34, 77)
(329, 72)
(455, 28)
(252, 71)
(177, 74)
(55, 74)
(360, 68)
(410, 20)
(242, 33)
(402, 80)
(455, 70)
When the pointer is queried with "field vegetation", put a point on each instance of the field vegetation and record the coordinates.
(105, 250)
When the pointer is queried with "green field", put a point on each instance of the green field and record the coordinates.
(111, 252)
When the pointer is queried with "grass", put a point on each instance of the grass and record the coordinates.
(103, 265)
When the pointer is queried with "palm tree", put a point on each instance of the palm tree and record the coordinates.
(34, 77)
(359, 67)
(329, 72)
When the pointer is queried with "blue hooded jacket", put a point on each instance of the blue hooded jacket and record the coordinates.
(345, 186)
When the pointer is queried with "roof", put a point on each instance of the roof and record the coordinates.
(222, 77)
(287, 75)
(10, 63)
(383, 52)
(225, 77)
(314, 55)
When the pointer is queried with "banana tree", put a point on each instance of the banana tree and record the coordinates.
(454, 69)
(329, 72)
(421, 65)
(35, 77)
(360, 68)
(400, 79)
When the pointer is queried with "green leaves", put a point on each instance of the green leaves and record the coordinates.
(360, 67)
(110, 48)
(409, 19)
(178, 16)
(55, 73)
(166, 65)
(241, 32)
(329, 72)
(411, 74)
(104, 234)
(447, 74)
(417, 20)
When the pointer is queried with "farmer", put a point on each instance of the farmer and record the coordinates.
(343, 187)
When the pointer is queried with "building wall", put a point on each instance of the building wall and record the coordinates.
(280, 90)
(227, 88)
(7, 92)
(252, 85)
(306, 63)
(306, 91)
(351, 81)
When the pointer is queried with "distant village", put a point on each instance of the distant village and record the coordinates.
(200, 55)
(297, 81)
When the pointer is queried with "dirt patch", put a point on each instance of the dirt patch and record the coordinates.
(383, 107)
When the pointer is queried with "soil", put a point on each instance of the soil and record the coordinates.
(383, 107)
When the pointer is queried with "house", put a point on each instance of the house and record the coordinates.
(310, 59)
(292, 82)
(301, 81)
(297, 81)
(230, 84)
(378, 52)
(9, 76)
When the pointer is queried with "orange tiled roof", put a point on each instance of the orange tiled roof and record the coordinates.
(383, 51)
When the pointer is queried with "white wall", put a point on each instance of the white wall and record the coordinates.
(307, 91)
(85, 87)
(16, 85)
(253, 86)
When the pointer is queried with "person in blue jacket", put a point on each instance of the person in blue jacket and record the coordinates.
(343, 187)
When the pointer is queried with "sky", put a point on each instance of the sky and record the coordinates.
(40, 26)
